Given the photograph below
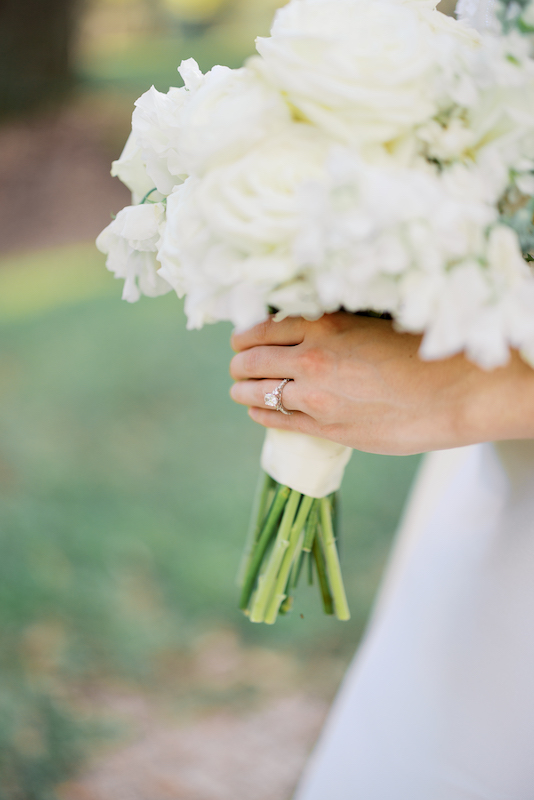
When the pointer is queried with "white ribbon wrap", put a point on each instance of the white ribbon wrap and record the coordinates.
(311, 466)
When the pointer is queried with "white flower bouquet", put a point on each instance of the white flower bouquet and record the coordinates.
(375, 156)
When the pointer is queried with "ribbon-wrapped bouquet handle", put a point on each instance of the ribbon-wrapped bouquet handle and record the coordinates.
(294, 526)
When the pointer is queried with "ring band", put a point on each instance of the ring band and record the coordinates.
(274, 399)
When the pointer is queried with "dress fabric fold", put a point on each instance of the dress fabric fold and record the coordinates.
(439, 703)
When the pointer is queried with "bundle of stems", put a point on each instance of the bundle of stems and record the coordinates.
(291, 533)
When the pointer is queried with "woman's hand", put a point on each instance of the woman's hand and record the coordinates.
(356, 381)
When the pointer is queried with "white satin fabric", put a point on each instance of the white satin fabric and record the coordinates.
(439, 704)
(309, 465)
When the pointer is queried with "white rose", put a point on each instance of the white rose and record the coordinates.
(228, 241)
(231, 112)
(212, 120)
(252, 203)
(420, 4)
(363, 71)
(196, 263)
(130, 243)
(131, 170)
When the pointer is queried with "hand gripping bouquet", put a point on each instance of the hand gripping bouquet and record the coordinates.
(375, 156)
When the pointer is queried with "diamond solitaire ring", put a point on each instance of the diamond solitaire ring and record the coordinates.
(274, 399)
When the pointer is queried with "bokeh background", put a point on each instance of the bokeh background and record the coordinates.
(126, 473)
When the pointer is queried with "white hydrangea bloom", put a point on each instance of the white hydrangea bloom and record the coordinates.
(452, 141)
(367, 224)
(130, 243)
(527, 17)
(414, 243)
(491, 121)
(483, 311)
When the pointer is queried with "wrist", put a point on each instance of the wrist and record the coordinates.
(499, 405)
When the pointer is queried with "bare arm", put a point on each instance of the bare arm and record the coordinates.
(358, 382)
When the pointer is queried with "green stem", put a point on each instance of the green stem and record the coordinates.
(259, 511)
(287, 605)
(310, 568)
(318, 556)
(296, 566)
(332, 561)
(336, 524)
(147, 195)
(267, 581)
(279, 591)
(334, 500)
(277, 506)
(297, 570)
(311, 527)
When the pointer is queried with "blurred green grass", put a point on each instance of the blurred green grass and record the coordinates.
(155, 60)
(126, 478)
(127, 474)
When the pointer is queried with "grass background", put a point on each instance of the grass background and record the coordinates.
(126, 473)
(126, 476)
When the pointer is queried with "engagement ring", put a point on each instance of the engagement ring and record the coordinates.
(274, 399)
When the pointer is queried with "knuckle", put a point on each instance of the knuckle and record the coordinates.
(234, 342)
(238, 366)
(303, 424)
(333, 432)
(314, 360)
(263, 330)
(333, 323)
(317, 402)
(234, 368)
(251, 361)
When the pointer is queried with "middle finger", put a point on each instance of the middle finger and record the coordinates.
(264, 362)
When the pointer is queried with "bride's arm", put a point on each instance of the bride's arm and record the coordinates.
(358, 382)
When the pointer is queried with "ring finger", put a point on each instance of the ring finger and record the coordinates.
(252, 394)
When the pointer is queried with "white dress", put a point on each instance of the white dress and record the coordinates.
(439, 703)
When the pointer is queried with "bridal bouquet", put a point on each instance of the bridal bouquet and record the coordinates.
(375, 156)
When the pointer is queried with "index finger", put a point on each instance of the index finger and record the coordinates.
(289, 331)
